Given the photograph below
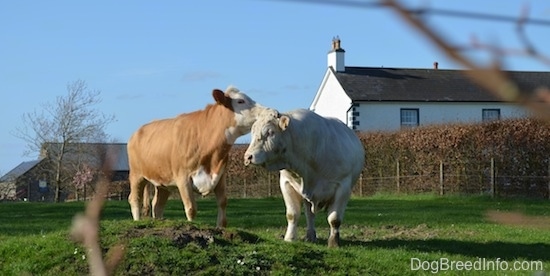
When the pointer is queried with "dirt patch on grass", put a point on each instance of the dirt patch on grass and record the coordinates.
(421, 231)
(384, 232)
(518, 219)
(182, 235)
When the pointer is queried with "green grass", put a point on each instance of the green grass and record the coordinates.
(380, 235)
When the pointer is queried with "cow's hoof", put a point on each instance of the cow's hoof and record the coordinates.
(311, 237)
(334, 241)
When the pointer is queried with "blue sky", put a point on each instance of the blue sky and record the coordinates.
(154, 59)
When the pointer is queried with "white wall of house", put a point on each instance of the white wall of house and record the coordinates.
(386, 116)
(332, 100)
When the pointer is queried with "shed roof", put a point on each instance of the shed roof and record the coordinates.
(114, 152)
(19, 170)
(429, 85)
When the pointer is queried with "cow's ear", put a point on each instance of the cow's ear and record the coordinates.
(219, 96)
(283, 122)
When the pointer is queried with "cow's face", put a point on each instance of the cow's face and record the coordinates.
(245, 110)
(267, 147)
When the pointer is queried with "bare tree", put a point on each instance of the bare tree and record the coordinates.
(58, 128)
(7, 191)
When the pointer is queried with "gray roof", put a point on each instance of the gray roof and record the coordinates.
(432, 85)
(118, 154)
(19, 170)
(114, 152)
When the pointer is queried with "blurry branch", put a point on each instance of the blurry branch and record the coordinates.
(425, 11)
(476, 15)
(529, 49)
(491, 78)
(85, 229)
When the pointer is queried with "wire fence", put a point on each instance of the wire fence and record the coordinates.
(440, 178)
(479, 178)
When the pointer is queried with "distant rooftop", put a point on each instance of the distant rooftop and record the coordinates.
(113, 152)
(19, 170)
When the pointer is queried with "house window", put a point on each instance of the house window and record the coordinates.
(409, 117)
(491, 114)
(42, 184)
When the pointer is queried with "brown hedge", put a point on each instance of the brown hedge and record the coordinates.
(520, 149)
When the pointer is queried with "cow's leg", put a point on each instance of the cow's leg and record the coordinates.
(334, 220)
(292, 203)
(336, 214)
(187, 197)
(146, 209)
(137, 185)
(159, 201)
(221, 199)
(311, 235)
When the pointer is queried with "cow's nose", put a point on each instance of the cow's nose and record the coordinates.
(247, 159)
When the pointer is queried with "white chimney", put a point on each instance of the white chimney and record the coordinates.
(336, 56)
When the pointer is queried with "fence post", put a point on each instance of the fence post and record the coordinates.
(361, 184)
(244, 188)
(441, 188)
(228, 183)
(548, 175)
(493, 177)
(269, 183)
(397, 177)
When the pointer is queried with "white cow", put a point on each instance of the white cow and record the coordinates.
(319, 159)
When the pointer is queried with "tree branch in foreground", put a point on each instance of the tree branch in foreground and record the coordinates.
(85, 230)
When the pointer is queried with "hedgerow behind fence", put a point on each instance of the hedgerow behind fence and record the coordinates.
(501, 158)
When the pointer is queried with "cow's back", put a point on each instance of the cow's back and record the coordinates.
(162, 149)
(149, 149)
(331, 147)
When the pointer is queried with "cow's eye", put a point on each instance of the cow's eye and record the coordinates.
(266, 133)
(240, 101)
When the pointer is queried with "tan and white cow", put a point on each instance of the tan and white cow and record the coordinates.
(319, 159)
(189, 151)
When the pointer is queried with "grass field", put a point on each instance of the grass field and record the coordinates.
(381, 235)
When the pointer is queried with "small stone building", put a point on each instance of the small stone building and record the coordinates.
(34, 181)
(27, 182)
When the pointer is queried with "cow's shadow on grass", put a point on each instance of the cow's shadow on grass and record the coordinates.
(489, 250)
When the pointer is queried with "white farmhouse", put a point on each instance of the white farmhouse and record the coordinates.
(378, 98)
